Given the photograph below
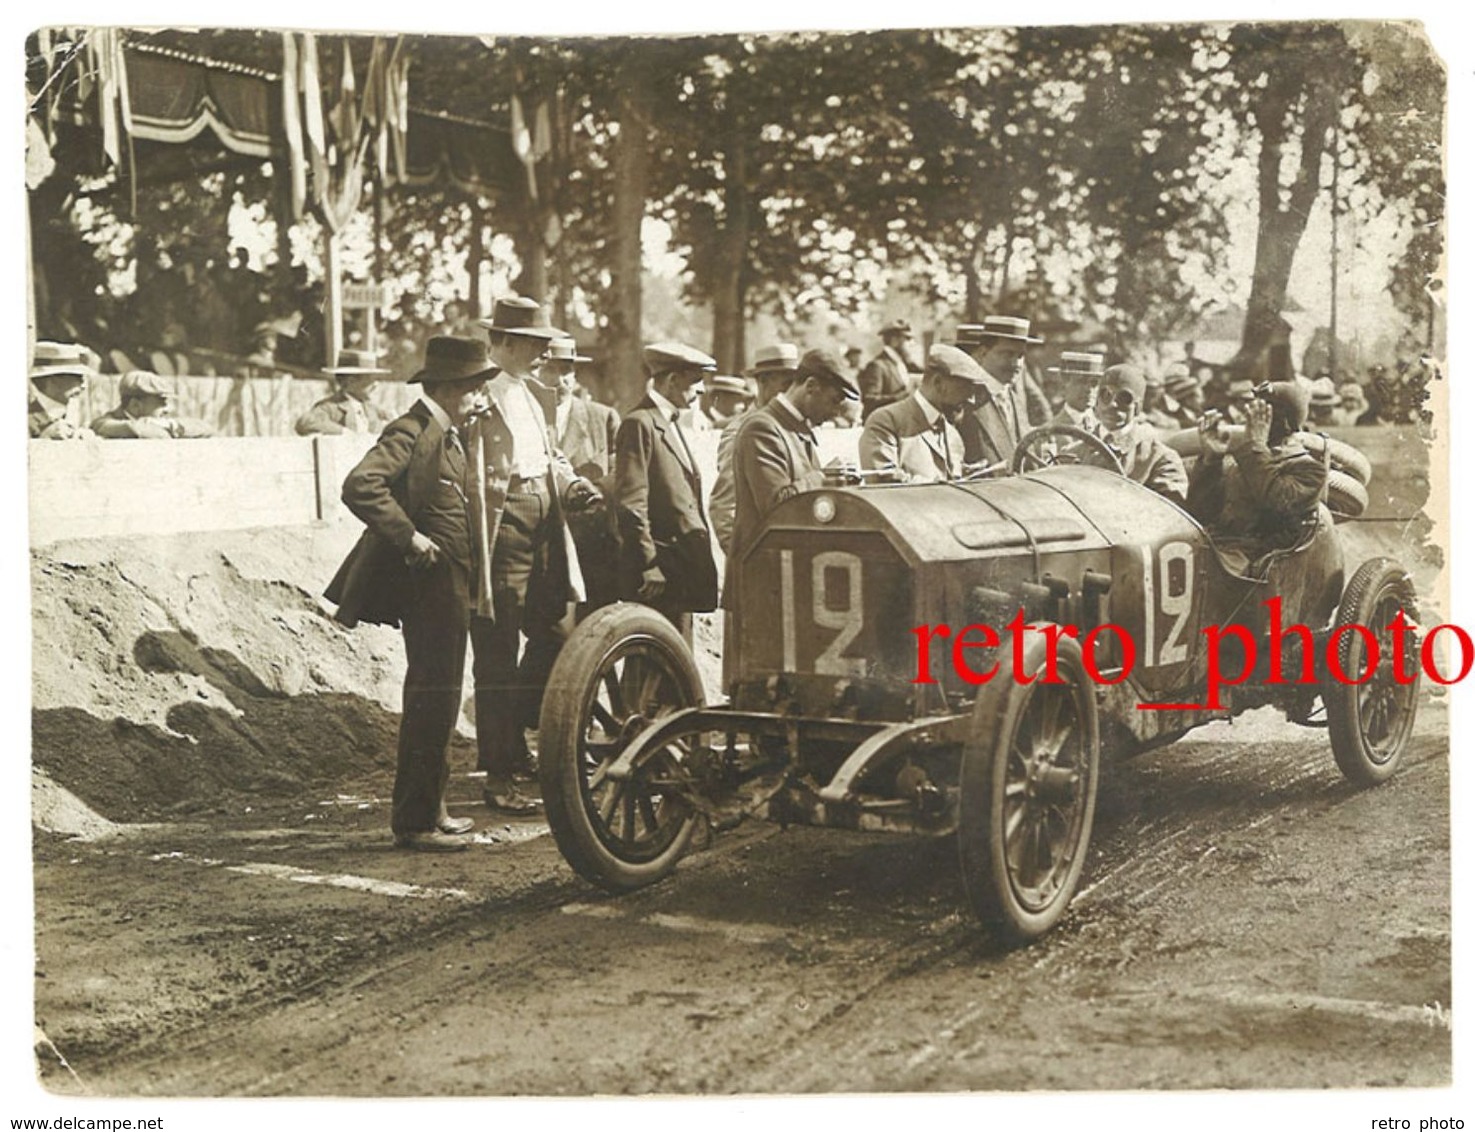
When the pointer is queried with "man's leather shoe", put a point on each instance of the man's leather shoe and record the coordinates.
(506, 798)
(430, 841)
(448, 824)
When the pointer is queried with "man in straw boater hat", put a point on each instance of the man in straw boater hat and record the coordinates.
(415, 567)
(348, 408)
(59, 373)
(773, 369)
(915, 439)
(1011, 403)
(1080, 374)
(522, 488)
(666, 558)
(584, 431)
(886, 377)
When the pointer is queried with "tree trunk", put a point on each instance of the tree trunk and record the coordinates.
(732, 252)
(475, 254)
(630, 161)
(1280, 228)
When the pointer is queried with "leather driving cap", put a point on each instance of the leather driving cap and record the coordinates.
(518, 315)
(950, 360)
(1126, 377)
(825, 364)
(665, 357)
(454, 359)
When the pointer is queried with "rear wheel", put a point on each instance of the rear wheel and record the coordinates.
(1028, 795)
(623, 667)
(1370, 723)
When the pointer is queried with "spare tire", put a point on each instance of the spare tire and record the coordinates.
(1345, 497)
(1345, 458)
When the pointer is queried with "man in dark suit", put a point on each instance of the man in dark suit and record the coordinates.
(1010, 404)
(413, 567)
(585, 434)
(773, 370)
(915, 439)
(522, 489)
(885, 377)
(666, 542)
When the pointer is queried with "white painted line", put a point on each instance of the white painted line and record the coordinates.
(695, 925)
(1430, 1016)
(332, 880)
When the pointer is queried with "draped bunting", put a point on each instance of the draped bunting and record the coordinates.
(170, 98)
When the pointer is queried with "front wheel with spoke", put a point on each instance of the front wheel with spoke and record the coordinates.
(1370, 721)
(622, 668)
(1027, 794)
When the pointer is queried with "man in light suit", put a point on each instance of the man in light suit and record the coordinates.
(886, 377)
(666, 556)
(1080, 374)
(348, 409)
(585, 431)
(522, 488)
(915, 439)
(414, 567)
(1010, 403)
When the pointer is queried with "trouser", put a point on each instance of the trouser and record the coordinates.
(525, 602)
(434, 624)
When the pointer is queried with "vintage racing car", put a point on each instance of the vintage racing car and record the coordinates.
(837, 716)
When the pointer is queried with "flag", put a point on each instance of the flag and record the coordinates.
(292, 122)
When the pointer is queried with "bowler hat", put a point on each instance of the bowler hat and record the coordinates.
(142, 383)
(565, 350)
(782, 357)
(825, 365)
(520, 316)
(356, 363)
(953, 362)
(454, 359)
(59, 358)
(665, 357)
(1323, 392)
(995, 326)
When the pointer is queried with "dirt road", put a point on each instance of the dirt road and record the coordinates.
(1247, 920)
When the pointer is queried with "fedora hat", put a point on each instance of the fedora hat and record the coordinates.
(782, 357)
(518, 315)
(724, 383)
(54, 359)
(897, 326)
(356, 363)
(995, 326)
(454, 359)
(565, 350)
(1074, 364)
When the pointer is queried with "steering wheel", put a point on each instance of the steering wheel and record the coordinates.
(1053, 445)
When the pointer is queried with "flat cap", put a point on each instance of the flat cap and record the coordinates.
(781, 357)
(953, 362)
(58, 358)
(142, 383)
(663, 357)
(824, 364)
(454, 359)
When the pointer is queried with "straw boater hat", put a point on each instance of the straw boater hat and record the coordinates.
(356, 363)
(454, 359)
(56, 359)
(998, 327)
(724, 383)
(565, 350)
(1073, 364)
(522, 317)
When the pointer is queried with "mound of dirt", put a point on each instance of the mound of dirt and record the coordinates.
(198, 674)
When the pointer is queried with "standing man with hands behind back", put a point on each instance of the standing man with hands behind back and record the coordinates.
(414, 567)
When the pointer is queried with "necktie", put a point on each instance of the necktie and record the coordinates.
(357, 420)
(947, 449)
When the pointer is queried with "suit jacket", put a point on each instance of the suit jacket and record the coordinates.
(658, 505)
(992, 429)
(1153, 464)
(492, 457)
(388, 489)
(883, 379)
(588, 441)
(898, 438)
(722, 506)
(774, 457)
(330, 417)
